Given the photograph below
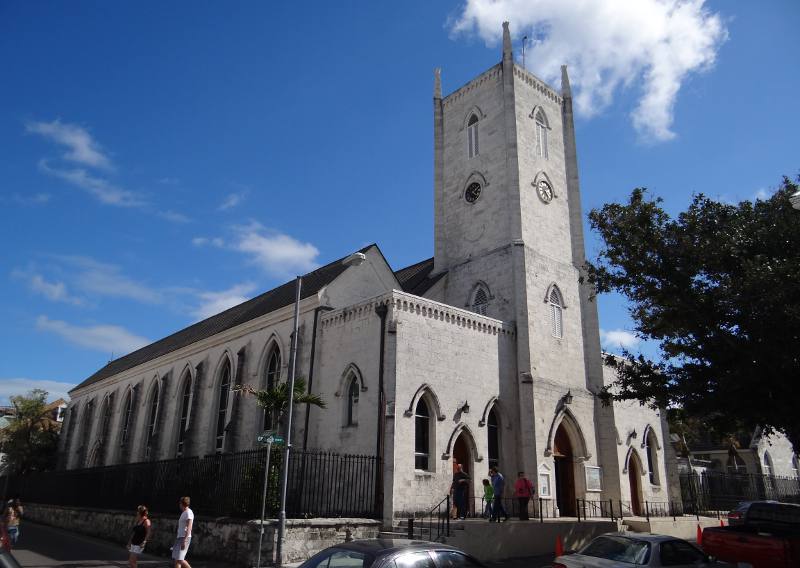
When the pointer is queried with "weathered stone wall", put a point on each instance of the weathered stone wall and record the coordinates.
(232, 540)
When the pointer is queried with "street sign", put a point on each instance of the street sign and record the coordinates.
(270, 437)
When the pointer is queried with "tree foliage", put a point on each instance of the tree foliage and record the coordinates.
(30, 440)
(275, 401)
(718, 288)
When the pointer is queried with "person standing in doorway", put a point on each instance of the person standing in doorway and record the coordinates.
(499, 485)
(523, 491)
(459, 490)
(139, 535)
(185, 523)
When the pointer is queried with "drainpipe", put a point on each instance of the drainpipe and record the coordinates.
(382, 310)
(317, 310)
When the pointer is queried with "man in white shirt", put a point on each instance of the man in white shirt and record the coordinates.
(185, 523)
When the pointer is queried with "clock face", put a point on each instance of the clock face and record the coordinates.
(473, 192)
(545, 191)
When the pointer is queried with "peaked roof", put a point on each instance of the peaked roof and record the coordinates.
(267, 302)
(416, 279)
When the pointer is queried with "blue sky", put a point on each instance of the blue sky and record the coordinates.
(163, 160)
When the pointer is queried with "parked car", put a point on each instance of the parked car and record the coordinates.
(391, 553)
(768, 537)
(737, 516)
(624, 549)
(6, 560)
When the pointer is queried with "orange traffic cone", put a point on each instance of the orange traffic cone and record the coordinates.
(699, 535)
(721, 523)
(559, 546)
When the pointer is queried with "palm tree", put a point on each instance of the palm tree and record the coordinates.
(275, 400)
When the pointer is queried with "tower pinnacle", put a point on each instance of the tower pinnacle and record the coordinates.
(437, 83)
(565, 89)
(506, 42)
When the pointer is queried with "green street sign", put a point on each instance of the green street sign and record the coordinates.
(270, 437)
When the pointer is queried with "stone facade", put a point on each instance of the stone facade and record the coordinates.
(497, 361)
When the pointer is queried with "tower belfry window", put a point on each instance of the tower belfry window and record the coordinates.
(541, 134)
(472, 135)
(480, 301)
(556, 309)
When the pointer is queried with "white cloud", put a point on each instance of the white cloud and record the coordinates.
(616, 338)
(215, 302)
(213, 241)
(81, 147)
(111, 339)
(173, 216)
(608, 45)
(35, 199)
(21, 386)
(55, 291)
(105, 191)
(107, 280)
(275, 253)
(232, 200)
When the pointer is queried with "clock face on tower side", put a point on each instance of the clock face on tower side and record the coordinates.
(545, 191)
(473, 192)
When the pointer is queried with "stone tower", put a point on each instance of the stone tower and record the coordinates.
(508, 230)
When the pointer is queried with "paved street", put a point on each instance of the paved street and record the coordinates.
(41, 546)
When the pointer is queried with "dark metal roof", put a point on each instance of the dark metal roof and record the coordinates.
(416, 279)
(267, 302)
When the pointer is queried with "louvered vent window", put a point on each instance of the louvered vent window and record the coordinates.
(472, 134)
(541, 135)
(480, 302)
(556, 309)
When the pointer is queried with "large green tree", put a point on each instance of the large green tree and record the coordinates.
(31, 439)
(275, 400)
(718, 288)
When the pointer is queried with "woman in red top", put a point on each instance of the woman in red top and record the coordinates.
(523, 491)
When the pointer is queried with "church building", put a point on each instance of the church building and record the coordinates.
(487, 354)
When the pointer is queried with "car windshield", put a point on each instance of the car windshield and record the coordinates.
(338, 558)
(619, 549)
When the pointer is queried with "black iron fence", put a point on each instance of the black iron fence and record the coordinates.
(321, 484)
(717, 491)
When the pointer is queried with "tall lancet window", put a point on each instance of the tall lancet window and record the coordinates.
(541, 134)
(186, 397)
(352, 402)
(480, 300)
(472, 135)
(151, 422)
(272, 374)
(422, 425)
(127, 412)
(493, 439)
(222, 407)
(556, 309)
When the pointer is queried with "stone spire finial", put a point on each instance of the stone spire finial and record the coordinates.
(506, 41)
(565, 89)
(437, 83)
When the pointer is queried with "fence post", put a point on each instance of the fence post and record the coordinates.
(621, 512)
(541, 513)
(578, 509)
(448, 515)
(647, 511)
(411, 528)
(584, 510)
(611, 508)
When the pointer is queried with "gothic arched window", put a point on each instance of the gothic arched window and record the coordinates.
(556, 309)
(152, 418)
(272, 375)
(422, 425)
(472, 135)
(86, 432)
(186, 397)
(222, 405)
(651, 446)
(736, 463)
(493, 433)
(127, 413)
(541, 134)
(352, 402)
(480, 300)
(104, 425)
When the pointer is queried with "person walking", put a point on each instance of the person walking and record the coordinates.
(523, 491)
(488, 497)
(139, 535)
(11, 518)
(181, 546)
(459, 489)
(498, 486)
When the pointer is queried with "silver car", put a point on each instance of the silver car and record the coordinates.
(391, 553)
(632, 549)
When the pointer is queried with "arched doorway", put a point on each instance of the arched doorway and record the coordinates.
(564, 459)
(462, 455)
(635, 480)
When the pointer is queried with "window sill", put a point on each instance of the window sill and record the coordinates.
(423, 473)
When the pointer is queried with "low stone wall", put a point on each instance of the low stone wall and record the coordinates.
(228, 539)
(681, 527)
